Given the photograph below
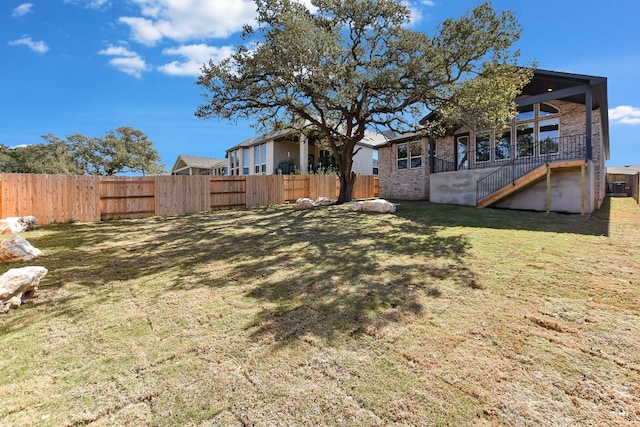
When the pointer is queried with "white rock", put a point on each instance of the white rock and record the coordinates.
(17, 224)
(18, 283)
(324, 201)
(17, 249)
(375, 205)
(304, 203)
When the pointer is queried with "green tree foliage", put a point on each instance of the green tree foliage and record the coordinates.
(123, 150)
(353, 65)
(120, 151)
(54, 157)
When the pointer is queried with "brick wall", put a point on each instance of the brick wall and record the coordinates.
(408, 184)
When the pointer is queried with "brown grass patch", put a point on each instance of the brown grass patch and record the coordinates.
(439, 315)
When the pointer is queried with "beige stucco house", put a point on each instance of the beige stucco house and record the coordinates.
(192, 165)
(280, 152)
(550, 158)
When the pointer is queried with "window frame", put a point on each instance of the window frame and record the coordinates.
(245, 161)
(412, 157)
(509, 145)
(487, 149)
(404, 160)
(417, 157)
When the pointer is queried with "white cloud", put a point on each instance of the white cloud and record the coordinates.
(194, 56)
(416, 9)
(40, 47)
(125, 60)
(188, 19)
(90, 4)
(118, 51)
(625, 114)
(22, 10)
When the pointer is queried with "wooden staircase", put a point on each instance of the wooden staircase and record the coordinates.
(527, 180)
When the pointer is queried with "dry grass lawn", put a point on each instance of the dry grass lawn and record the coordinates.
(439, 315)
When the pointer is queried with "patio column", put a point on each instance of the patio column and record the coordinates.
(304, 154)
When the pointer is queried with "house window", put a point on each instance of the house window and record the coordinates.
(546, 132)
(403, 155)
(263, 158)
(524, 140)
(245, 161)
(326, 160)
(415, 152)
(234, 162)
(483, 147)
(547, 110)
(503, 145)
(374, 155)
(409, 156)
(525, 113)
(549, 136)
(256, 159)
(260, 158)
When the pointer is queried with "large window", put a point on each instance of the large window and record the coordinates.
(263, 158)
(534, 132)
(525, 113)
(234, 161)
(547, 110)
(326, 160)
(524, 139)
(415, 153)
(549, 136)
(503, 145)
(256, 159)
(245, 161)
(403, 155)
(483, 147)
(409, 155)
(260, 158)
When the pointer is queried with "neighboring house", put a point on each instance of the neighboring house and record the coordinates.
(280, 152)
(550, 158)
(192, 165)
(622, 180)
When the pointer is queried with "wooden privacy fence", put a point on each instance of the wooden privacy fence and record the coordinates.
(62, 198)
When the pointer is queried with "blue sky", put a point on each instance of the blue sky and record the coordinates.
(89, 66)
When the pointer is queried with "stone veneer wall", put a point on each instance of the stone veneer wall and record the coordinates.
(408, 184)
(572, 122)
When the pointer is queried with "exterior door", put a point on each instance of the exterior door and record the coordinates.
(431, 152)
(462, 151)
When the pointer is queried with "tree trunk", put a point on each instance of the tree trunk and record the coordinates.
(344, 159)
(346, 187)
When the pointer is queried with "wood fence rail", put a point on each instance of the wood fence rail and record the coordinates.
(62, 198)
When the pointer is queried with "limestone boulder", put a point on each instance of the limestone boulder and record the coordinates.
(17, 284)
(324, 201)
(304, 203)
(17, 249)
(17, 224)
(375, 205)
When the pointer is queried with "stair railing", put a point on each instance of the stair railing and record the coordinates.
(549, 150)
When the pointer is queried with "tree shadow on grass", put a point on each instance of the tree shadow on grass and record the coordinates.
(324, 272)
(440, 215)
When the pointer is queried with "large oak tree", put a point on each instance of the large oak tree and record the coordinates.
(352, 65)
(123, 150)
